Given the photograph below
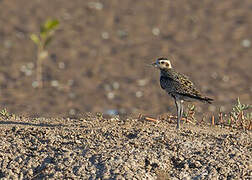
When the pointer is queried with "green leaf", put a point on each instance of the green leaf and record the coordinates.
(35, 38)
(48, 26)
(192, 108)
(51, 24)
(238, 101)
(48, 41)
(43, 35)
(249, 116)
(244, 107)
(43, 29)
(237, 109)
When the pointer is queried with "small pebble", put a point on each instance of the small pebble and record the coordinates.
(116, 85)
(214, 75)
(35, 84)
(105, 35)
(111, 95)
(142, 82)
(95, 5)
(28, 72)
(54, 83)
(225, 78)
(139, 94)
(156, 31)
(30, 65)
(246, 43)
(61, 65)
(23, 68)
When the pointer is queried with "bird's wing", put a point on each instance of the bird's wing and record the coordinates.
(177, 83)
(184, 85)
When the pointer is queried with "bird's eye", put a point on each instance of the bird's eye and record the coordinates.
(162, 62)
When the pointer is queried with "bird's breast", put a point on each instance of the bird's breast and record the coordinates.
(166, 84)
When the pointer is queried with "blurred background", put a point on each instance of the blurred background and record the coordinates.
(98, 58)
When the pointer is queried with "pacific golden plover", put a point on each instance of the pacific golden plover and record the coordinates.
(178, 86)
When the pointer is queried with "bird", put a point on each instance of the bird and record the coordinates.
(178, 86)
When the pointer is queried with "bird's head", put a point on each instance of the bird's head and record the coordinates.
(162, 63)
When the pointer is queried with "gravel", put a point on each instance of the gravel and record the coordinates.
(94, 147)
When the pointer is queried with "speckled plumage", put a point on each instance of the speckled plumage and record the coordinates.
(178, 86)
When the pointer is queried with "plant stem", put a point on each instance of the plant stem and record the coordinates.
(39, 67)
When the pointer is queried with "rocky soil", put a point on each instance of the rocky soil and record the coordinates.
(94, 147)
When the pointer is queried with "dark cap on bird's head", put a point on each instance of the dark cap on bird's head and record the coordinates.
(162, 63)
(162, 58)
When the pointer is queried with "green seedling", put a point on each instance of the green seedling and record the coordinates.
(42, 40)
(190, 114)
(99, 115)
(238, 114)
(4, 113)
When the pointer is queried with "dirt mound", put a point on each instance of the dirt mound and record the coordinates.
(94, 147)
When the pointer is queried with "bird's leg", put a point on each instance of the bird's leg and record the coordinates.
(178, 106)
(181, 109)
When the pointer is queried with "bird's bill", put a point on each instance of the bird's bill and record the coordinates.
(154, 64)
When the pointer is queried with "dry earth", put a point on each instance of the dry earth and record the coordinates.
(94, 147)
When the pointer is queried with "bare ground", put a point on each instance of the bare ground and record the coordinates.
(99, 54)
(94, 147)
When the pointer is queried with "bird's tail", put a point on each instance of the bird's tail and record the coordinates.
(207, 99)
(198, 97)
